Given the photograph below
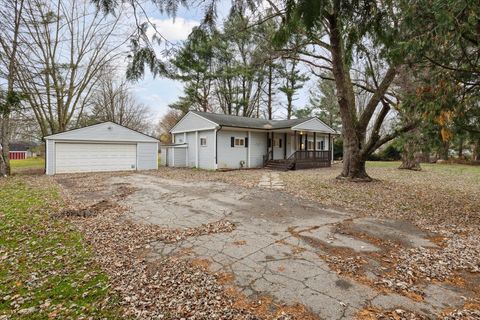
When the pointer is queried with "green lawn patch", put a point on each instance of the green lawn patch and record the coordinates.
(27, 165)
(46, 271)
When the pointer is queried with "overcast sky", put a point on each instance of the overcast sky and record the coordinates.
(158, 93)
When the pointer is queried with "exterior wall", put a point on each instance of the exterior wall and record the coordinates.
(178, 157)
(50, 157)
(206, 154)
(179, 138)
(193, 122)
(258, 148)
(229, 157)
(163, 156)
(147, 156)
(191, 149)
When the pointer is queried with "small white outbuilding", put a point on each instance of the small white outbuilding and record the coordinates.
(105, 146)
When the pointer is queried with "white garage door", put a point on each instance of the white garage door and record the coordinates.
(89, 157)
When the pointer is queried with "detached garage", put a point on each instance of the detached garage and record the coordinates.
(102, 147)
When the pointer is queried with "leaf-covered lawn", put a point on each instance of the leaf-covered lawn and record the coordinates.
(46, 272)
(446, 194)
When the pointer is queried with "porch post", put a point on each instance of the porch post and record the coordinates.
(315, 141)
(285, 146)
(295, 142)
(330, 146)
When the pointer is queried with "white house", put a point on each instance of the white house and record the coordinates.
(102, 147)
(217, 141)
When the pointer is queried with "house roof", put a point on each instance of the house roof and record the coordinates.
(21, 146)
(253, 123)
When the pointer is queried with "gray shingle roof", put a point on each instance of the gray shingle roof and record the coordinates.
(251, 123)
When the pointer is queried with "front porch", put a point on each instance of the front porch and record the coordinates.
(293, 150)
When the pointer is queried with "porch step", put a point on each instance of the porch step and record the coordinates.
(280, 165)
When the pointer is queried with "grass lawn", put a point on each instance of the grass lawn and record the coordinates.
(46, 271)
(440, 168)
(27, 165)
(439, 194)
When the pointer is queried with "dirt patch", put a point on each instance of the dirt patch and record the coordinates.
(89, 211)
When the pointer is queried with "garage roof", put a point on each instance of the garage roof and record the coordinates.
(105, 131)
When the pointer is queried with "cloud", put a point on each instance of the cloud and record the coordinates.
(173, 30)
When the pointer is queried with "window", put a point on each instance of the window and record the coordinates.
(321, 145)
(311, 145)
(203, 142)
(239, 142)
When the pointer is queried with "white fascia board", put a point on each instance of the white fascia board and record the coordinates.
(331, 131)
(215, 125)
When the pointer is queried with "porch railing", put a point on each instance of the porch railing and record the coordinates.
(310, 159)
(311, 155)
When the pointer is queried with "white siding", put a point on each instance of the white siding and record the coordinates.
(147, 154)
(191, 149)
(229, 157)
(179, 138)
(313, 125)
(179, 154)
(193, 122)
(50, 157)
(163, 156)
(258, 148)
(107, 131)
(206, 154)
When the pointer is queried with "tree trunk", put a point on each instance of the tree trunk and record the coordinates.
(476, 151)
(270, 92)
(353, 162)
(444, 150)
(460, 149)
(5, 142)
(410, 161)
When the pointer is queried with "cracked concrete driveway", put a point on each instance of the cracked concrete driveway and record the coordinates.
(279, 245)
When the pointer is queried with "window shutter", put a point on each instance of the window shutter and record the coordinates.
(269, 142)
(232, 142)
(246, 142)
(279, 143)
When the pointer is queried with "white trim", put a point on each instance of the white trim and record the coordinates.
(235, 142)
(317, 120)
(215, 149)
(156, 158)
(55, 136)
(196, 149)
(188, 113)
(173, 157)
(248, 148)
(136, 158)
(46, 157)
(193, 130)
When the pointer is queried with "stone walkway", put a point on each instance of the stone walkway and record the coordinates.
(271, 180)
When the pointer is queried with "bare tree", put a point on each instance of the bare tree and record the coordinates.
(113, 101)
(10, 21)
(65, 45)
(166, 123)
